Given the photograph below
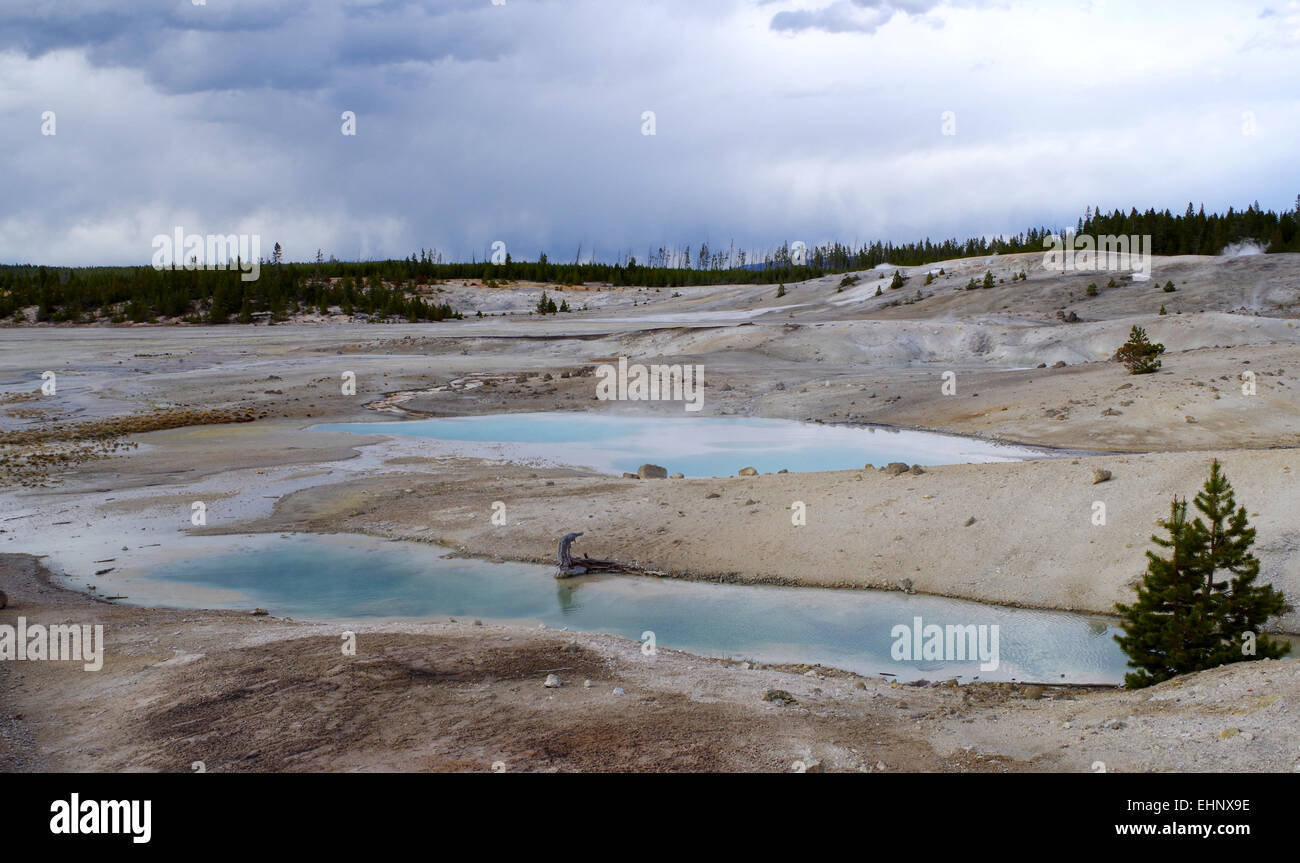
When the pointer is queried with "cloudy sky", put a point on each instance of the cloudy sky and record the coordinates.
(522, 121)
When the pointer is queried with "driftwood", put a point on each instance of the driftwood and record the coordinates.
(568, 566)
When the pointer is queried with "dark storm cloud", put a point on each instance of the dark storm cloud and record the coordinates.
(522, 122)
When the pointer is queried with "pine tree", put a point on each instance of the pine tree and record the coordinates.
(1169, 630)
(1139, 354)
(1184, 620)
(1246, 606)
(897, 281)
(988, 278)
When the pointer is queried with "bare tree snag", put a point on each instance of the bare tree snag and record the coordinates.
(568, 566)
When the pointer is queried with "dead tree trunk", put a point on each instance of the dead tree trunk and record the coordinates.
(568, 566)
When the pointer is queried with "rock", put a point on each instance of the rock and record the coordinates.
(917, 470)
(478, 623)
(259, 612)
(1033, 692)
(627, 475)
(779, 695)
(1099, 475)
(587, 684)
(747, 471)
(783, 470)
(726, 388)
(812, 765)
(552, 682)
(969, 521)
(880, 765)
(1059, 364)
(1190, 419)
(906, 586)
(651, 471)
(1041, 366)
(894, 468)
(1111, 412)
(618, 690)
(711, 495)
(677, 476)
(1229, 733)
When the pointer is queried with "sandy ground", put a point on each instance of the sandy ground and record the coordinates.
(819, 354)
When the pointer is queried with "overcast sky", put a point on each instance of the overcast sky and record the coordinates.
(774, 121)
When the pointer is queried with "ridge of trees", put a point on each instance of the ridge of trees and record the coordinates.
(394, 288)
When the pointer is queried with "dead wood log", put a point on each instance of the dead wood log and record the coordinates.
(567, 566)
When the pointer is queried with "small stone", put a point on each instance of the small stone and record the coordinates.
(587, 684)
(618, 690)
(259, 612)
(651, 471)
(711, 495)
(1229, 733)
(969, 521)
(552, 682)
(779, 695)
(478, 623)
(1033, 692)
(677, 476)
(917, 470)
(1190, 419)
(880, 765)
(813, 766)
(894, 468)
(1099, 475)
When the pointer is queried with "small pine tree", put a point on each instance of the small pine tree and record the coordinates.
(1183, 620)
(1092, 290)
(878, 291)
(1139, 354)
(988, 279)
(929, 279)
(897, 281)
(1162, 311)
(780, 291)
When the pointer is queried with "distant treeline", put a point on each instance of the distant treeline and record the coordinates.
(399, 288)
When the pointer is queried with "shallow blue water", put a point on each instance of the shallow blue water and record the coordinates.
(692, 445)
(357, 577)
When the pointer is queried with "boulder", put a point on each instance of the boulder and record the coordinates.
(917, 470)
(894, 468)
(552, 682)
(677, 476)
(747, 471)
(651, 471)
(780, 696)
(627, 475)
(1099, 475)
